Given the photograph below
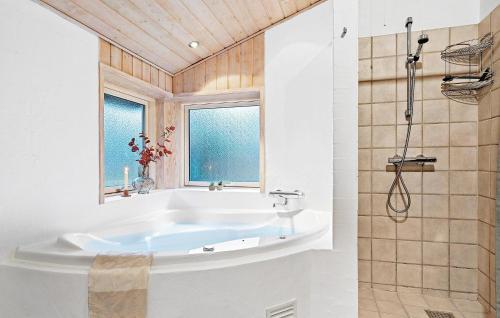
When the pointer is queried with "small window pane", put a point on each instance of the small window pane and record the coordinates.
(123, 119)
(224, 144)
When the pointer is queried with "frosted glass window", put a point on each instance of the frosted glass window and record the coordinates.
(123, 119)
(224, 144)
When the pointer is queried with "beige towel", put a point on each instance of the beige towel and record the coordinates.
(118, 286)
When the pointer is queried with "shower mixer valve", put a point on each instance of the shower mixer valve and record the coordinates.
(418, 160)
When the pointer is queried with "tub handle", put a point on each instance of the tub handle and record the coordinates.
(208, 248)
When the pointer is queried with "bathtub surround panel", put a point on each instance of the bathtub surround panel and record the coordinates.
(422, 251)
(225, 292)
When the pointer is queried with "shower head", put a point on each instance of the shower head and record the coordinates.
(423, 38)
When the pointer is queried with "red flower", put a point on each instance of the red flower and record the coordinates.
(151, 153)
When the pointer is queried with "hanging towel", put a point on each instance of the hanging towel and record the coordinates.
(118, 286)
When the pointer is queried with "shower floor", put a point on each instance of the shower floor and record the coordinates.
(376, 303)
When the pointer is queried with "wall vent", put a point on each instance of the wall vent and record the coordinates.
(286, 310)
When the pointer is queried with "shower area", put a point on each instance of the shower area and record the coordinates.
(426, 228)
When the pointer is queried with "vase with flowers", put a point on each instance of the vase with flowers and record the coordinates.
(148, 154)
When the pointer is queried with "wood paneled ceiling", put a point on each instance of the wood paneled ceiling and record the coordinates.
(160, 30)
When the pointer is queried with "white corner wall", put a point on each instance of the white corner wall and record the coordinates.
(299, 98)
(380, 17)
(311, 136)
(49, 128)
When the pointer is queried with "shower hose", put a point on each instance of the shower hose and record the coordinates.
(405, 194)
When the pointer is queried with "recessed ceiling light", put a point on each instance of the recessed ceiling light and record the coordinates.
(193, 44)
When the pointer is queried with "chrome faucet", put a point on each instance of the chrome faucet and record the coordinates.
(283, 203)
(283, 196)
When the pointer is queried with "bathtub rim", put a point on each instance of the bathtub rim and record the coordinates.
(33, 257)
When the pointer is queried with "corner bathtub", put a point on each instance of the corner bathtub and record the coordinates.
(182, 237)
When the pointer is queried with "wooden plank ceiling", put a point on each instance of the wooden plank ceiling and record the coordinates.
(160, 30)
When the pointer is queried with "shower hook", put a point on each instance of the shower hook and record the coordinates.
(344, 32)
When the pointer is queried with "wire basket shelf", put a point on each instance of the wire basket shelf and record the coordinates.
(467, 92)
(469, 87)
(467, 52)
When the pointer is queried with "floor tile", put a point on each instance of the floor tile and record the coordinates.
(377, 303)
(386, 295)
(390, 307)
(367, 304)
(368, 314)
(412, 299)
(416, 312)
(384, 315)
(365, 293)
(439, 303)
(468, 305)
(475, 315)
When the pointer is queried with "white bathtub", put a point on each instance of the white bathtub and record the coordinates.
(183, 236)
(238, 279)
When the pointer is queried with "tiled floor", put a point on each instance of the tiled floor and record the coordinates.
(374, 303)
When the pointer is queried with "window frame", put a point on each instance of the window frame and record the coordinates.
(149, 104)
(185, 154)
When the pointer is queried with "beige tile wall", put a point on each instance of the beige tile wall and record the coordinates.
(446, 243)
(433, 248)
(488, 140)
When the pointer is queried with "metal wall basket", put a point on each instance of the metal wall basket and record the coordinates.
(467, 52)
(467, 88)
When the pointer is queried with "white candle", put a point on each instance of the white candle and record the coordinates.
(125, 177)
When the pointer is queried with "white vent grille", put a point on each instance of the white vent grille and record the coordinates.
(286, 310)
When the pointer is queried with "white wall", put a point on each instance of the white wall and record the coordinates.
(311, 135)
(379, 17)
(345, 160)
(299, 100)
(486, 6)
(49, 172)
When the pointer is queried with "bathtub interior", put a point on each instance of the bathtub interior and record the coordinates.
(188, 230)
(213, 224)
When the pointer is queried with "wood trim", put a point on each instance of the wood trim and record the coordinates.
(218, 96)
(262, 145)
(124, 80)
(160, 125)
(126, 62)
(101, 134)
(173, 164)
